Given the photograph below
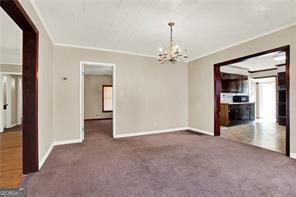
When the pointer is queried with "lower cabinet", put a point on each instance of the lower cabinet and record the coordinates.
(233, 114)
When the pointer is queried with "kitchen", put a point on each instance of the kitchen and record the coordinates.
(236, 108)
(252, 105)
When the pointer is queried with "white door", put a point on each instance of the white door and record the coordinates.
(267, 99)
(4, 98)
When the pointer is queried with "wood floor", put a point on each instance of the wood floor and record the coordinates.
(11, 158)
(263, 133)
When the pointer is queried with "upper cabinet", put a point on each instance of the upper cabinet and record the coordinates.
(234, 83)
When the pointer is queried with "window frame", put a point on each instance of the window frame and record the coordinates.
(103, 99)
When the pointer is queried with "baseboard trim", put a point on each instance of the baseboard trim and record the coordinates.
(56, 143)
(149, 132)
(46, 154)
(62, 142)
(200, 131)
(12, 125)
(293, 155)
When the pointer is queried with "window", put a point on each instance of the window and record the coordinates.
(107, 98)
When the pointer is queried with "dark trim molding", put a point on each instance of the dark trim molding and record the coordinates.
(287, 51)
(263, 70)
(91, 119)
(217, 89)
(269, 76)
(105, 111)
(30, 83)
(217, 93)
(241, 59)
(279, 65)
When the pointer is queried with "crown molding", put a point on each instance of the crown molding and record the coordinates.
(11, 63)
(244, 41)
(36, 9)
(102, 49)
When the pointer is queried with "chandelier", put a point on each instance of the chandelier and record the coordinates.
(173, 53)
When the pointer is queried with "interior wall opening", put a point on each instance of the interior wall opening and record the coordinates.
(29, 85)
(252, 100)
(97, 100)
(11, 113)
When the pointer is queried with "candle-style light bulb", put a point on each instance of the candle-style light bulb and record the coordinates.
(185, 53)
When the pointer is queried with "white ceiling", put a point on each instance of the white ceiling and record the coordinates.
(140, 26)
(260, 62)
(10, 40)
(98, 70)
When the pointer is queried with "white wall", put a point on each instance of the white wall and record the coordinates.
(14, 99)
(149, 95)
(45, 77)
(19, 100)
(201, 78)
(93, 96)
(10, 40)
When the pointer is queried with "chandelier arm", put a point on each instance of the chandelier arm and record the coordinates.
(180, 59)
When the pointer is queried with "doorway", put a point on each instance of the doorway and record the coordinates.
(266, 98)
(240, 112)
(11, 129)
(97, 97)
(29, 62)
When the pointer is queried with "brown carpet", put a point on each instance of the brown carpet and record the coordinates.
(171, 164)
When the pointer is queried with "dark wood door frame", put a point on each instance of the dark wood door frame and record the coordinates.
(217, 89)
(30, 82)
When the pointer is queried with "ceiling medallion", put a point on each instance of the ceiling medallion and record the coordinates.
(173, 53)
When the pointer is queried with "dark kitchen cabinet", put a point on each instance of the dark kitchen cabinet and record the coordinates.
(252, 111)
(281, 100)
(233, 114)
(234, 83)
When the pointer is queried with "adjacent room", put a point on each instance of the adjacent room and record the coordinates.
(98, 99)
(11, 103)
(253, 101)
(168, 98)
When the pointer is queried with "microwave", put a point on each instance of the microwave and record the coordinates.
(240, 99)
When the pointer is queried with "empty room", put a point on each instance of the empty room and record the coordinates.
(148, 98)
